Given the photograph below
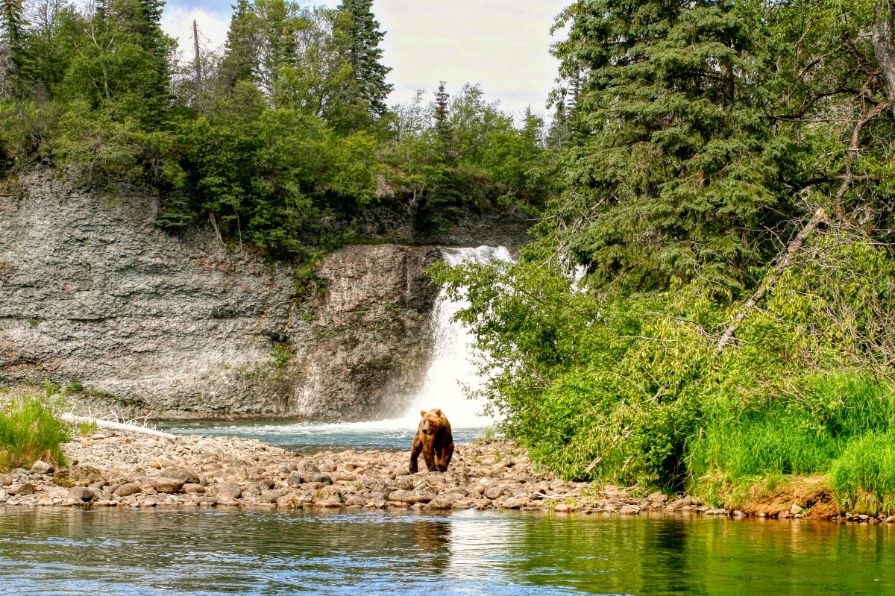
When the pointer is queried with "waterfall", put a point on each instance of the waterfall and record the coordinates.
(451, 369)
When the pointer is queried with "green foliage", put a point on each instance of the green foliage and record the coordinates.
(281, 144)
(863, 478)
(358, 36)
(631, 390)
(799, 431)
(464, 154)
(29, 430)
(676, 168)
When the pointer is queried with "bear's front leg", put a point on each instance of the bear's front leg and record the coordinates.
(415, 454)
(446, 453)
(429, 456)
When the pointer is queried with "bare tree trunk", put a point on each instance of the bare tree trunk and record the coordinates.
(884, 44)
(197, 58)
(785, 260)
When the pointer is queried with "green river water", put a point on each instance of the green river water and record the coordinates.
(153, 552)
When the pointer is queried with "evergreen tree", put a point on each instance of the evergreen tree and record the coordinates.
(11, 43)
(675, 174)
(441, 114)
(240, 55)
(360, 37)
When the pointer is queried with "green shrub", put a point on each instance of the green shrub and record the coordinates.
(29, 430)
(863, 478)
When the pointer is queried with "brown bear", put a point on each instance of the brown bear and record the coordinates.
(434, 440)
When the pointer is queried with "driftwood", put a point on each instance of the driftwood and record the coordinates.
(119, 426)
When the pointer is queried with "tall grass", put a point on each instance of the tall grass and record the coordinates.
(802, 432)
(863, 478)
(29, 430)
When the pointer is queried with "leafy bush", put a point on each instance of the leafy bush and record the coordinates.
(631, 389)
(29, 430)
(863, 479)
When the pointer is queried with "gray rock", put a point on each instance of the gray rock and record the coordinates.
(404, 496)
(294, 479)
(41, 467)
(271, 496)
(179, 326)
(127, 489)
(167, 485)
(715, 511)
(657, 498)
(629, 510)
(25, 488)
(82, 494)
(321, 479)
(512, 503)
(187, 476)
(495, 492)
(6, 479)
(227, 492)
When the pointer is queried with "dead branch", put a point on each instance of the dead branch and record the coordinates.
(819, 216)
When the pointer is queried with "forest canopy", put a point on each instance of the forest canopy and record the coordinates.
(285, 129)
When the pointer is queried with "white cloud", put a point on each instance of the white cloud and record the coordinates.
(501, 44)
(212, 24)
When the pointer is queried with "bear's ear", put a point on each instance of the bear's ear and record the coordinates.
(423, 413)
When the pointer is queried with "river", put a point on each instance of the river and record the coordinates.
(153, 552)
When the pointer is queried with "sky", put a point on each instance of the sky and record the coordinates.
(501, 44)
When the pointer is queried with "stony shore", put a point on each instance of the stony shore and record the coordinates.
(109, 469)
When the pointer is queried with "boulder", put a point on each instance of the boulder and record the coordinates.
(127, 489)
(41, 467)
(167, 485)
(227, 492)
(182, 474)
(82, 494)
(25, 488)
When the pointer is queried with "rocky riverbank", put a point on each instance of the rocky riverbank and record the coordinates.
(109, 469)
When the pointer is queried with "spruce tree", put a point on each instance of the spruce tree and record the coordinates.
(674, 175)
(360, 37)
(11, 42)
(241, 54)
(147, 25)
(442, 126)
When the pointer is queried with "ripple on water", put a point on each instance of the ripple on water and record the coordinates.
(150, 552)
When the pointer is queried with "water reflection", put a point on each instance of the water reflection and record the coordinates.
(472, 553)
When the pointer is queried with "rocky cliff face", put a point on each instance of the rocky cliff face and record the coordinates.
(92, 295)
(371, 333)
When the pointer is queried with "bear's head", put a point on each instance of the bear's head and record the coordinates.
(432, 421)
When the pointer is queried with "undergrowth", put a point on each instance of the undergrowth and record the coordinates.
(30, 430)
(863, 478)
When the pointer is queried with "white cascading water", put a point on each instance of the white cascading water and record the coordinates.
(451, 370)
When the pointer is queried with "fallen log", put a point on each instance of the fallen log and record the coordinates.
(119, 426)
